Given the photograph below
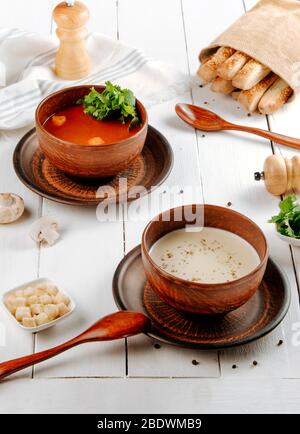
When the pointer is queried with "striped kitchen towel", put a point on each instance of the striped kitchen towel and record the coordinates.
(26, 74)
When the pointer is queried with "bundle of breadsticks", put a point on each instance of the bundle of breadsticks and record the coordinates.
(249, 82)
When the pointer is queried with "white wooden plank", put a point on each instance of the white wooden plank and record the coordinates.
(204, 22)
(155, 28)
(83, 262)
(227, 163)
(284, 122)
(144, 359)
(103, 17)
(273, 360)
(18, 254)
(158, 396)
(23, 15)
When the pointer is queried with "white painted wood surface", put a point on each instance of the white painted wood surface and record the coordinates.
(138, 377)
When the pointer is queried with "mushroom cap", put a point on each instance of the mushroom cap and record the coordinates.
(11, 207)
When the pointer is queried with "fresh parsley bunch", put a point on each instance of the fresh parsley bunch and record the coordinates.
(288, 220)
(113, 102)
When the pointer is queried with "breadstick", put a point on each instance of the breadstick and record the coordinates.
(235, 94)
(275, 97)
(232, 66)
(249, 99)
(208, 70)
(251, 74)
(222, 86)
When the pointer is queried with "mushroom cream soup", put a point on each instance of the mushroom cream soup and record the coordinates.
(209, 255)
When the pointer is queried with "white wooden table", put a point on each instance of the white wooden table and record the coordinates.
(135, 376)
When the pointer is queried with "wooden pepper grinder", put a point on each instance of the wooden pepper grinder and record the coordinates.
(280, 174)
(72, 60)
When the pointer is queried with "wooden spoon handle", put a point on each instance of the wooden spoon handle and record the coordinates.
(278, 138)
(11, 366)
(114, 326)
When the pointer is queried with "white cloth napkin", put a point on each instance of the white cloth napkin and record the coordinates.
(26, 74)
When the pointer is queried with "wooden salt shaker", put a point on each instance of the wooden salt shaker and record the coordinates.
(281, 175)
(72, 60)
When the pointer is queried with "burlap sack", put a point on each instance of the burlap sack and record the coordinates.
(270, 33)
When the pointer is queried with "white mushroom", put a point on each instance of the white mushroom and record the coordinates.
(11, 207)
(44, 230)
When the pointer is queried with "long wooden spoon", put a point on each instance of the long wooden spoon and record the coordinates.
(206, 120)
(115, 326)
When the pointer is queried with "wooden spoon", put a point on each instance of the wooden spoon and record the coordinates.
(115, 326)
(206, 120)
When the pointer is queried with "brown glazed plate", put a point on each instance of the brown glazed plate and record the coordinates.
(258, 317)
(149, 170)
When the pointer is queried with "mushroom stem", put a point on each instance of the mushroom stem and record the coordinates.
(50, 235)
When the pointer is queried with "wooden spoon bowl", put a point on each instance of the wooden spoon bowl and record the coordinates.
(206, 120)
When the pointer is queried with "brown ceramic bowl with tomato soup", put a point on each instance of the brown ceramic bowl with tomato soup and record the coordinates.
(200, 297)
(97, 160)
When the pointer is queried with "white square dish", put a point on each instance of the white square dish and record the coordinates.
(34, 283)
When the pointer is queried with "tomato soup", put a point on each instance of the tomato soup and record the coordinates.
(73, 125)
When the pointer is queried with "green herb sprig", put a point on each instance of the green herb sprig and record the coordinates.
(288, 220)
(113, 102)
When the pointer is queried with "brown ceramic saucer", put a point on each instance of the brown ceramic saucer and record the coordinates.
(148, 170)
(260, 315)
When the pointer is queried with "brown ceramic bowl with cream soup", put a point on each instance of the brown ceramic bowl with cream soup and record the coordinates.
(210, 271)
(82, 145)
